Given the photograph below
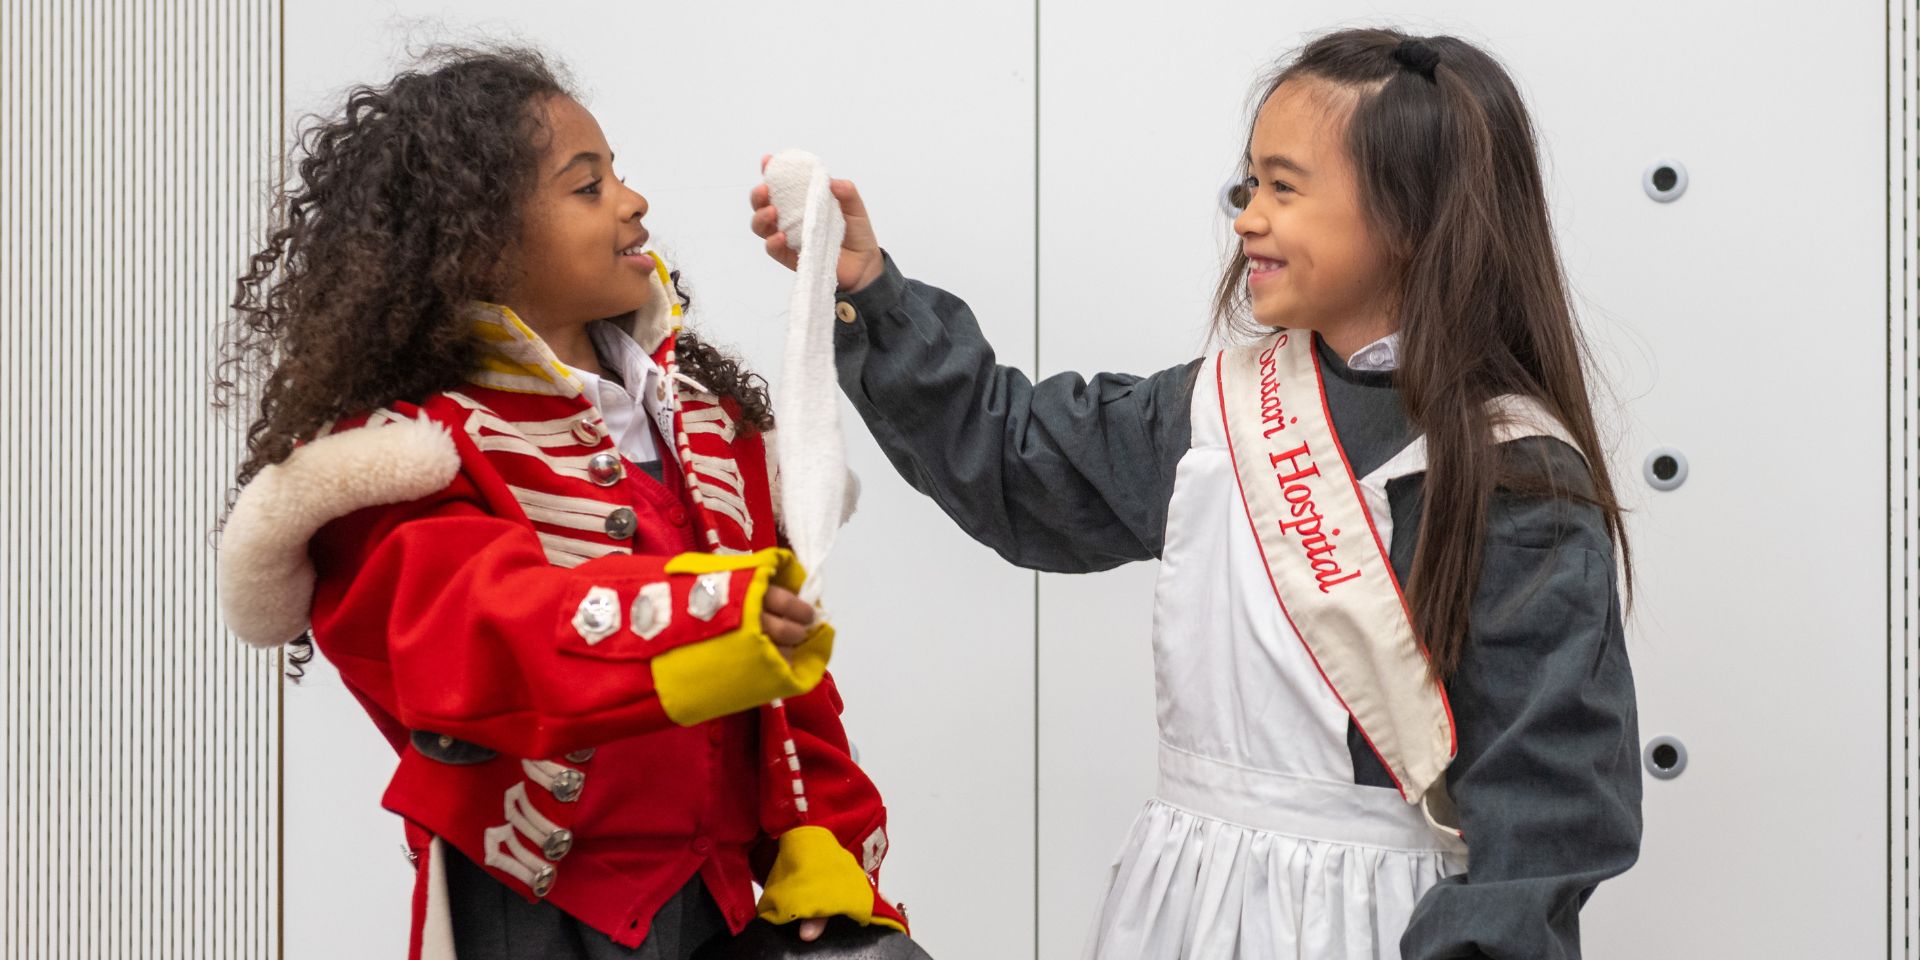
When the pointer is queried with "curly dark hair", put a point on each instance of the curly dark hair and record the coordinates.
(405, 206)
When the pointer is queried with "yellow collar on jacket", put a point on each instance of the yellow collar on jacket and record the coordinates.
(515, 359)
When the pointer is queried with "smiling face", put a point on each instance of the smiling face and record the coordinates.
(1312, 262)
(578, 256)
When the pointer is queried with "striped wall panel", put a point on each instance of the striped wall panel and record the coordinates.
(137, 142)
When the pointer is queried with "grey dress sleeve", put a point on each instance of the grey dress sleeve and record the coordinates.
(1547, 778)
(1066, 475)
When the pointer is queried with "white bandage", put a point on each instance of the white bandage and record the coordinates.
(810, 450)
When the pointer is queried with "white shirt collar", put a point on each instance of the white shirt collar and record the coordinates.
(623, 357)
(640, 394)
(1379, 356)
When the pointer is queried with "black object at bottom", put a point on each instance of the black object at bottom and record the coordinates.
(844, 940)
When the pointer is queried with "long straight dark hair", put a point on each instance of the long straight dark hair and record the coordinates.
(1450, 183)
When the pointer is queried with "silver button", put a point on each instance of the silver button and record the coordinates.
(598, 616)
(586, 431)
(621, 523)
(580, 756)
(445, 741)
(873, 850)
(558, 843)
(709, 595)
(543, 881)
(652, 609)
(567, 784)
(604, 469)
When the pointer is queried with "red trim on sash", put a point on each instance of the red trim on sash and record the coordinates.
(1320, 384)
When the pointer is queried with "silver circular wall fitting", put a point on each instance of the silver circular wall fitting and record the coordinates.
(1665, 180)
(1665, 757)
(1665, 469)
(1233, 198)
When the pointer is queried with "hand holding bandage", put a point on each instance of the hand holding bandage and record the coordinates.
(861, 261)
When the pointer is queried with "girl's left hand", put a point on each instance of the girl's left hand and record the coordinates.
(810, 930)
(861, 261)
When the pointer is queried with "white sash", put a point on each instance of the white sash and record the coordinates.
(1327, 562)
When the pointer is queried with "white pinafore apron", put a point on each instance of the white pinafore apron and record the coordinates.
(1259, 844)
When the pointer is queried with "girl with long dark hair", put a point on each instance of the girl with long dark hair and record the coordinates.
(1396, 715)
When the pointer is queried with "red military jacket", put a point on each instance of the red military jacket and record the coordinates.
(566, 653)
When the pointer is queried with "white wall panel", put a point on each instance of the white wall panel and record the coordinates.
(1140, 128)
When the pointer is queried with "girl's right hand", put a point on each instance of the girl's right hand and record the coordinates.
(860, 259)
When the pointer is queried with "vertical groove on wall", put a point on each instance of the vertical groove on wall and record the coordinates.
(1039, 917)
(140, 755)
(1903, 476)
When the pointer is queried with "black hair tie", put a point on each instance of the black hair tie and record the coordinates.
(1415, 55)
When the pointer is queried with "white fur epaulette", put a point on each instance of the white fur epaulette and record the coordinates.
(265, 574)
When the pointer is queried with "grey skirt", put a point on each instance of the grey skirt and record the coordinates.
(491, 922)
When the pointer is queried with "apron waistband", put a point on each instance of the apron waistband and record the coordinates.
(1299, 807)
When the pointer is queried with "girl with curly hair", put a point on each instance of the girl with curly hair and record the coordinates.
(528, 515)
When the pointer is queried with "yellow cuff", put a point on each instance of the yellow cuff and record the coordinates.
(814, 876)
(740, 669)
